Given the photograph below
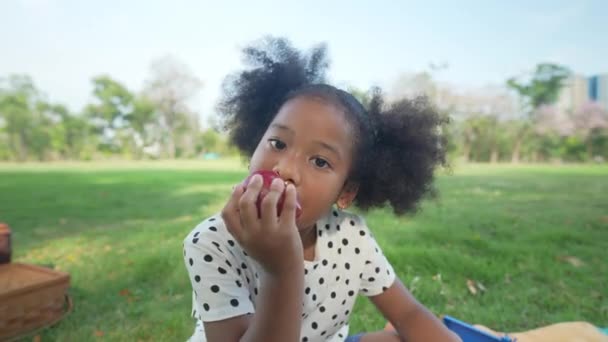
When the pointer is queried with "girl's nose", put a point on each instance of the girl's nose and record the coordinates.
(288, 171)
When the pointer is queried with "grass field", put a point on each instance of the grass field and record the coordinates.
(534, 237)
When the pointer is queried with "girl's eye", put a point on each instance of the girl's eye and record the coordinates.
(277, 144)
(321, 163)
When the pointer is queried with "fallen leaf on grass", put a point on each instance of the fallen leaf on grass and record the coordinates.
(572, 260)
(37, 338)
(604, 219)
(471, 286)
(99, 333)
(128, 295)
(474, 286)
(132, 299)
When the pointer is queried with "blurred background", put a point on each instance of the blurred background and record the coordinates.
(111, 149)
(140, 80)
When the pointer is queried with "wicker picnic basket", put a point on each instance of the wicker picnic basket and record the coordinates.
(31, 297)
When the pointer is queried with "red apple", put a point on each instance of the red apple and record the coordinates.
(268, 177)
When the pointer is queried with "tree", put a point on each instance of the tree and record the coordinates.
(539, 88)
(20, 109)
(210, 141)
(108, 115)
(542, 88)
(170, 89)
(480, 116)
(143, 120)
(413, 85)
(590, 122)
(70, 133)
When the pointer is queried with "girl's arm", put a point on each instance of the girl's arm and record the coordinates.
(277, 246)
(413, 322)
(278, 313)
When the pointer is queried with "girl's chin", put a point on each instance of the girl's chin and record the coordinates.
(303, 226)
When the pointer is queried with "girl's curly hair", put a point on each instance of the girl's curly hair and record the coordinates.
(397, 146)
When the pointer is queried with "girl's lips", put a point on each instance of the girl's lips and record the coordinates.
(268, 177)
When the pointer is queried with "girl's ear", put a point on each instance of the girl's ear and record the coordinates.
(347, 195)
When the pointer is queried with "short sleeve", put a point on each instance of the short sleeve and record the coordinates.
(378, 274)
(219, 289)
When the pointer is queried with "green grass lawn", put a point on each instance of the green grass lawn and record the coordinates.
(535, 237)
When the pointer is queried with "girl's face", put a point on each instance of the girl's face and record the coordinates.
(309, 143)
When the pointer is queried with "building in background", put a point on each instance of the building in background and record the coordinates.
(598, 90)
(574, 94)
(579, 90)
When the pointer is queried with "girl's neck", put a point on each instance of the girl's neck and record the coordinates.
(309, 239)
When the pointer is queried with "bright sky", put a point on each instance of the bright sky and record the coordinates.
(63, 44)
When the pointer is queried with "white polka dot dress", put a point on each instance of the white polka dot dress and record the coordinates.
(348, 262)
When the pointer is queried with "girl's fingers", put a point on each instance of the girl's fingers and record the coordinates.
(269, 204)
(230, 213)
(247, 203)
(288, 215)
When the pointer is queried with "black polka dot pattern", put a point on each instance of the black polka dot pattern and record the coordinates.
(347, 262)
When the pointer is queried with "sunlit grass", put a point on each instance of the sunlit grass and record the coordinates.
(117, 228)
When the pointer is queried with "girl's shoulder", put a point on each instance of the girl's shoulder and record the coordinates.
(213, 243)
(209, 227)
(348, 223)
(211, 235)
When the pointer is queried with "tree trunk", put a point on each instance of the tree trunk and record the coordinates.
(590, 150)
(516, 151)
(494, 155)
(466, 151)
(21, 147)
(171, 145)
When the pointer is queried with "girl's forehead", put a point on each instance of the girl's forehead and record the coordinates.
(317, 118)
(312, 111)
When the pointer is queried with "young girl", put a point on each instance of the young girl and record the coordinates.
(278, 278)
